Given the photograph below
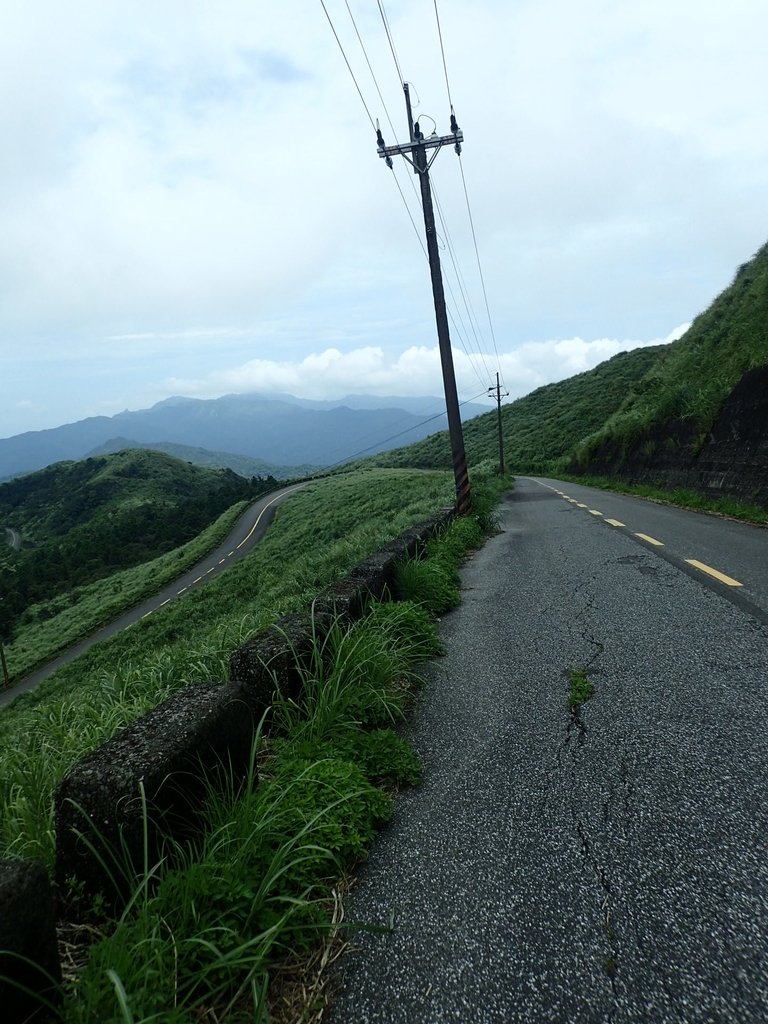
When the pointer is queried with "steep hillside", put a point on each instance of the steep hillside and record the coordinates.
(678, 403)
(693, 413)
(79, 522)
(543, 426)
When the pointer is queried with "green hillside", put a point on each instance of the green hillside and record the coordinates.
(541, 427)
(665, 393)
(686, 388)
(81, 521)
(243, 465)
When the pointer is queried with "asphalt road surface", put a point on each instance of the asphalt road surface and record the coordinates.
(604, 867)
(248, 531)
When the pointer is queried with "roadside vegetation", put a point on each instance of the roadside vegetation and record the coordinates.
(316, 537)
(691, 378)
(683, 497)
(222, 929)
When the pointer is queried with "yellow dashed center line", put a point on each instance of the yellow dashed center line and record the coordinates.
(197, 580)
(181, 591)
(147, 614)
(580, 504)
(166, 601)
(594, 512)
(728, 580)
(614, 522)
(650, 540)
(222, 561)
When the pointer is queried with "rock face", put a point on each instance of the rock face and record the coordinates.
(28, 953)
(732, 460)
(102, 820)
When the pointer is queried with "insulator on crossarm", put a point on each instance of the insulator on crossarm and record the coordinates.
(454, 125)
(379, 138)
(388, 162)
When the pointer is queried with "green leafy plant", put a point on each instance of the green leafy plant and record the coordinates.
(581, 688)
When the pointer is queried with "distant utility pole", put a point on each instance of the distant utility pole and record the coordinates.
(497, 389)
(415, 152)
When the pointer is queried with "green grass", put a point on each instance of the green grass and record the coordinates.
(52, 626)
(317, 536)
(581, 688)
(693, 376)
(726, 505)
(206, 925)
(255, 888)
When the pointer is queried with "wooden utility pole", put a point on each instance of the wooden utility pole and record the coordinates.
(497, 389)
(415, 152)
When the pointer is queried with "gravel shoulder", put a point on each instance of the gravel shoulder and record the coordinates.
(607, 868)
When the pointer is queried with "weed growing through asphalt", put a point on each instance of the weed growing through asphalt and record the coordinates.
(581, 689)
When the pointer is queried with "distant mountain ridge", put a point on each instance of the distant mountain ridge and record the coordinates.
(280, 432)
(243, 465)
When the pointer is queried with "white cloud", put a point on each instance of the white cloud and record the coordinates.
(331, 373)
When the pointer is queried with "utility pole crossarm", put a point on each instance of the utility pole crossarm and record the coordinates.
(435, 141)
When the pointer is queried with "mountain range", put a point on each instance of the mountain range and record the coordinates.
(279, 431)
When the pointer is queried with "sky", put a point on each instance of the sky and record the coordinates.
(191, 200)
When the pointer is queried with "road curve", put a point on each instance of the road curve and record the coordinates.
(248, 531)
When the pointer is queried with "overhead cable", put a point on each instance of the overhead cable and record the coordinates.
(385, 20)
(349, 66)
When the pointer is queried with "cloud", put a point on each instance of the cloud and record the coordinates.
(331, 373)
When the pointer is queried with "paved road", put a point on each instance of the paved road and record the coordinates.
(604, 868)
(248, 531)
(12, 538)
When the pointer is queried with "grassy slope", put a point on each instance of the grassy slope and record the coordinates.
(83, 521)
(317, 536)
(693, 376)
(543, 426)
(632, 393)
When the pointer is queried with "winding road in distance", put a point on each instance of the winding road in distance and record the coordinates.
(248, 531)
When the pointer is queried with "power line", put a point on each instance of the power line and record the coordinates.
(459, 277)
(466, 194)
(408, 430)
(349, 66)
(389, 119)
(391, 41)
(479, 265)
(442, 51)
